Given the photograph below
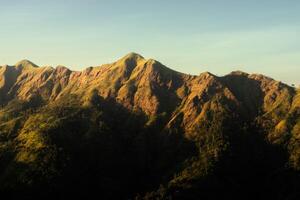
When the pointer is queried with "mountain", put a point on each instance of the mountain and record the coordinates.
(136, 129)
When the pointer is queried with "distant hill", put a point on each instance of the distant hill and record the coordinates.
(136, 129)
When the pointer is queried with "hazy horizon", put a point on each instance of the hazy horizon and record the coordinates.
(190, 37)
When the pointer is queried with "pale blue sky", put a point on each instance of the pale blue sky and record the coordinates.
(192, 36)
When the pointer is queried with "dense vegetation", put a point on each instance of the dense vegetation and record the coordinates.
(66, 149)
(135, 129)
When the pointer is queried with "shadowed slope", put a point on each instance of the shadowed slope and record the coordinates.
(127, 127)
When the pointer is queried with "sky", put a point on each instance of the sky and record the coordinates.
(190, 36)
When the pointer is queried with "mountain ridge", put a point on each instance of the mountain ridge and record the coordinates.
(130, 60)
(135, 119)
(144, 85)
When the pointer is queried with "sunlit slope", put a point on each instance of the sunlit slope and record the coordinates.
(127, 128)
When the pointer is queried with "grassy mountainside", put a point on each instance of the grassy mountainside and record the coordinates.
(135, 129)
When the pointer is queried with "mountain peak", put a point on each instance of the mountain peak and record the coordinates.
(133, 55)
(26, 63)
(206, 74)
(130, 60)
(239, 73)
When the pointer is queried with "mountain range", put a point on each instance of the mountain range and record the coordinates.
(136, 129)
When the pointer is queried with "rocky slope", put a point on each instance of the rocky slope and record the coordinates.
(148, 86)
(185, 127)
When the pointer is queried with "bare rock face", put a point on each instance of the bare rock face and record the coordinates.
(135, 119)
(147, 86)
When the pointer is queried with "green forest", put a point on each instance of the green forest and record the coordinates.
(65, 149)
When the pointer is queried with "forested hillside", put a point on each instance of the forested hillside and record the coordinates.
(135, 129)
